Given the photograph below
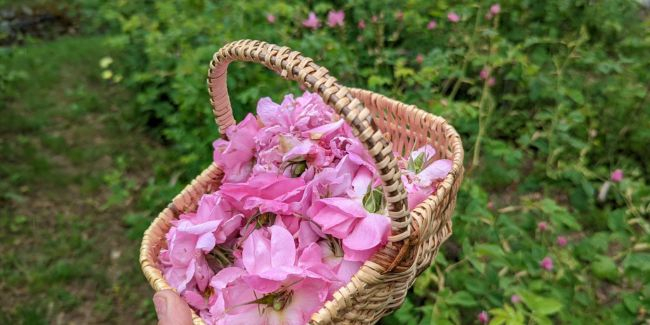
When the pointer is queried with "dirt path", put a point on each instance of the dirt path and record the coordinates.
(71, 170)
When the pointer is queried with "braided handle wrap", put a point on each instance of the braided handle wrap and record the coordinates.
(292, 65)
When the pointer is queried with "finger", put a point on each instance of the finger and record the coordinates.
(171, 309)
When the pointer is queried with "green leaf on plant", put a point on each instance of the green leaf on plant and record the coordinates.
(604, 268)
(539, 305)
(461, 298)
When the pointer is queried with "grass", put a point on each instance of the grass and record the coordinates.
(71, 172)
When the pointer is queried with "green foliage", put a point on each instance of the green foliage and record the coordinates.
(72, 167)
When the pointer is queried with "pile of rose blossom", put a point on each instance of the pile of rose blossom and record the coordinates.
(299, 211)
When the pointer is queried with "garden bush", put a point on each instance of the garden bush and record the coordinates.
(550, 98)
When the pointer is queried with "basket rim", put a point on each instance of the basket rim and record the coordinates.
(150, 266)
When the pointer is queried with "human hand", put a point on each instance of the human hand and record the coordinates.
(171, 309)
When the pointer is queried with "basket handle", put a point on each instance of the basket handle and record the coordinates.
(292, 65)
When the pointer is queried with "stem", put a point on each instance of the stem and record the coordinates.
(482, 122)
(559, 71)
(481, 126)
(470, 51)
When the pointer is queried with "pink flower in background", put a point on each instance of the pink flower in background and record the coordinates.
(399, 15)
(432, 24)
(374, 18)
(312, 21)
(546, 264)
(419, 58)
(491, 81)
(562, 241)
(542, 226)
(453, 17)
(483, 317)
(485, 73)
(362, 24)
(335, 18)
(617, 175)
(270, 18)
(515, 299)
(495, 9)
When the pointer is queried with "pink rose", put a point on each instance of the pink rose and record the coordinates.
(312, 21)
(335, 18)
(546, 264)
(453, 17)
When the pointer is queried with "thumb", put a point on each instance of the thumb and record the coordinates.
(171, 309)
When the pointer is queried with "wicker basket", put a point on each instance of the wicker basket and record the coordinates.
(383, 125)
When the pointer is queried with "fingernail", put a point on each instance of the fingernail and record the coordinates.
(161, 305)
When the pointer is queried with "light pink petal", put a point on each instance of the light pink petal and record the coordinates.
(301, 149)
(439, 169)
(308, 297)
(226, 276)
(256, 253)
(182, 249)
(310, 256)
(195, 299)
(206, 242)
(428, 151)
(332, 221)
(347, 269)
(280, 273)
(268, 111)
(306, 234)
(263, 285)
(324, 131)
(228, 228)
(206, 227)
(283, 247)
(362, 182)
(349, 207)
(179, 277)
(417, 195)
(369, 232)
(359, 254)
(202, 273)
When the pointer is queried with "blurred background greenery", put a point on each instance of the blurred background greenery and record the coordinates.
(105, 117)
